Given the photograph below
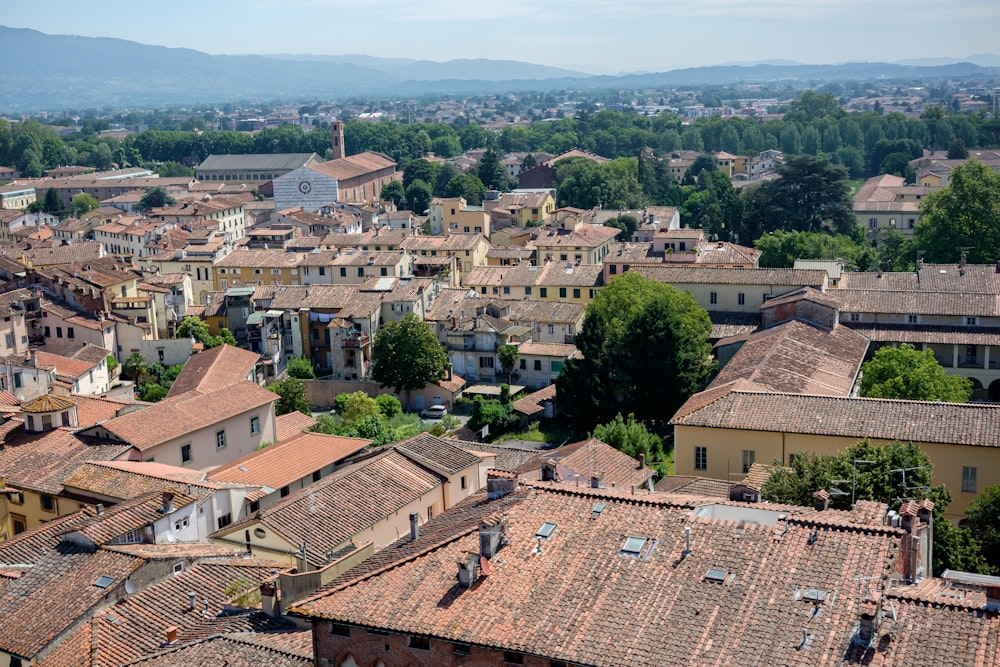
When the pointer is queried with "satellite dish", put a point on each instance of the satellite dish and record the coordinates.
(129, 586)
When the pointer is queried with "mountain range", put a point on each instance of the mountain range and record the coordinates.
(70, 72)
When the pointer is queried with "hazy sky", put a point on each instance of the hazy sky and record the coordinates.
(604, 36)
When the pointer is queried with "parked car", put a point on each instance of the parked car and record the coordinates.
(434, 412)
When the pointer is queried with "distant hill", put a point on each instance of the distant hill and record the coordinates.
(57, 72)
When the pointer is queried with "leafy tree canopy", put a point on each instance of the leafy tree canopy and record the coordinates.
(645, 351)
(983, 518)
(155, 198)
(965, 213)
(780, 249)
(812, 195)
(291, 396)
(631, 437)
(300, 367)
(907, 373)
(406, 355)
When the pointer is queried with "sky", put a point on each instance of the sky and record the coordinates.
(596, 36)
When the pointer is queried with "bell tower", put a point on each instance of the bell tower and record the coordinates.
(337, 139)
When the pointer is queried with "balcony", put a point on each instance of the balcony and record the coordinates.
(355, 342)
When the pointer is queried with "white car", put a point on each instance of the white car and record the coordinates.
(434, 412)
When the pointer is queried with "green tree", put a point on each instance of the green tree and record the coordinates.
(965, 213)
(53, 203)
(492, 173)
(811, 195)
(301, 368)
(83, 203)
(356, 406)
(389, 405)
(112, 363)
(418, 196)
(907, 373)
(225, 337)
(500, 417)
(152, 392)
(645, 350)
(780, 249)
(194, 327)
(393, 191)
(508, 355)
(957, 150)
(291, 396)
(374, 428)
(983, 519)
(406, 356)
(627, 224)
(155, 198)
(467, 186)
(134, 367)
(631, 437)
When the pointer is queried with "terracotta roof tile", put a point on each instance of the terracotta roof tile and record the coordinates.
(589, 458)
(292, 423)
(601, 606)
(289, 460)
(175, 416)
(798, 358)
(238, 649)
(128, 479)
(42, 461)
(328, 513)
(974, 424)
(215, 368)
(710, 275)
(437, 453)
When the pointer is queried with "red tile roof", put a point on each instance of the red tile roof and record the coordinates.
(292, 423)
(238, 649)
(42, 461)
(579, 597)
(327, 514)
(580, 461)
(290, 460)
(213, 369)
(178, 415)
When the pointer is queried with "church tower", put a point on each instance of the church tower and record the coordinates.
(337, 139)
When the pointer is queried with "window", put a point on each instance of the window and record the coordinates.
(557, 366)
(486, 362)
(10, 339)
(322, 270)
(317, 474)
(543, 292)
(855, 317)
(185, 453)
(220, 439)
(576, 293)
(562, 292)
(18, 382)
(701, 458)
(512, 658)
(912, 319)
(343, 272)
(461, 649)
(58, 332)
(912, 222)
(225, 520)
(562, 258)
(748, 458)
(970, 355)
(339, 630)
(506, 290)
(465, 483)
(257, 272)
(48, 332)
(613, 269)
(971, 321)
(422, 643)
(284, 491)
(254, 425)
(633, 546)
(48, 503)
(538, 364)
(527, 291)
(872, 223)
(741, 298)
(969, 479)
(383, 271)
(275, 272)
(552, 329)
(713, 297)
(361, 272)
(18, 523)
(65, 418)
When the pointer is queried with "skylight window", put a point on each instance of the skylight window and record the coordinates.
(814, 594)
(596, 510)
(633, 546)
(104, 581)
(718, 576)
(546, 530)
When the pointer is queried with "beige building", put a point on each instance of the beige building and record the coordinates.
(453, 214)
(572, 240)
(375, 500)
(552, 282)
(466, 251)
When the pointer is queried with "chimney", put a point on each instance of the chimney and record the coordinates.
(168, 502)
(492, 535)
(99, 509)
(414, 526)
(192, 600)
(917, 541)
(869, 622)
(269, 599)
(821, 501)
(597, 481)
(467, 570)
(171, 634)
(642, 461)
